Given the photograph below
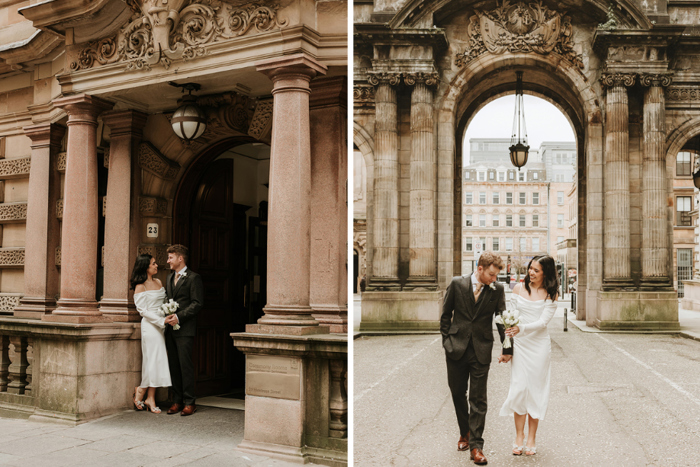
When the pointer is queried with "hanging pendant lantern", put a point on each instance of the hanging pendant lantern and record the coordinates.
(518, 140)
(189, 121)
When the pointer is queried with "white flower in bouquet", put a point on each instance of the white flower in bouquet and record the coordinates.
(492, 285)
(168, 308)
(509, 319)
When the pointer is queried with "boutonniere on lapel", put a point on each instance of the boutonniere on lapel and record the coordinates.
(492, 286)
(183, 275)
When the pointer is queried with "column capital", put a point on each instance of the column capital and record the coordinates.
(125, 122)
(328, 92)
(428, 78)
(291, 66)
(655, 79)
(375, 78)
(83, 108)
(45, 135)
(610, 80)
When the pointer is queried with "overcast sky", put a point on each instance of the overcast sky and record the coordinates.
(544, 122)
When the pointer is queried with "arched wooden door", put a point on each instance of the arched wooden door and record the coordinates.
(217, 253)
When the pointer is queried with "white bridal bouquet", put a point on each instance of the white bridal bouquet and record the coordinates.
(168, 308)
(509, 319)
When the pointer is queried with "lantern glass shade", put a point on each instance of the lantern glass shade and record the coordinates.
(518, 154)
(189, 121)
(696, 179)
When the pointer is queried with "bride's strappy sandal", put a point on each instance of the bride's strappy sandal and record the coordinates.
(518, 450)
(530, 451)
(137, 404)
(155, 409)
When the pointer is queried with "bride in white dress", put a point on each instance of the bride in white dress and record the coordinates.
(149, 295)
(528, 395)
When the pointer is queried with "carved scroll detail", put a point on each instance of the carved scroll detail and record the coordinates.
(262, 119)
(152, 161)
(153, 206)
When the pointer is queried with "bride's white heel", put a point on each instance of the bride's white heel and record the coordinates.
(517, 450)
(530, 451)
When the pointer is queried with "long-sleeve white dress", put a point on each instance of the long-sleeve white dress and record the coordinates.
(530, 365)
(154, 368)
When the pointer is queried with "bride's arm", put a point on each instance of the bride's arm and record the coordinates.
(151, 316)
(549, 309)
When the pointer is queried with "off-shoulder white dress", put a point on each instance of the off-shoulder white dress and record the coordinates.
(530, 365)
(154, 368)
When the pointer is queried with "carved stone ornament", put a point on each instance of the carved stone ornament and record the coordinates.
(380, 77)
(61, 162)
(363, 94)
(262, 119)
(685, 93)
(106, 157)
(618, 79)
(59, 209)
(11, 257)
(14, 168)
(647, 79)
(429, 79)
(149, 206)
(152, 161)
(519, 28)
(13, 212)
(104, 206)
(165, 30)
(8, 302)
(58, 256)
(158, 251)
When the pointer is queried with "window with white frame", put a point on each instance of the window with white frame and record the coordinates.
(560, 221)
(509, 244)
(560, 238)
(509, 220)
(522, 220)
(683, 163)
(482, 220)
(683, 208)
(466, 175)
(492, 175)
(523, 244)
(535, 244)
(535, 198)
(468, 244)
(496, 244)
(535, 220)
(509, 198)
(496, 220)
(535, 175)
(468, 198)
(481, 176)
(521, 176)
(496, 197)
(511, 175)
(523, 198)
(482, 197)
(560, 198)
(468, 218)
(501, 176)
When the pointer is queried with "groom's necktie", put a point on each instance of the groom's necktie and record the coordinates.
(177, 276)
(477, 291)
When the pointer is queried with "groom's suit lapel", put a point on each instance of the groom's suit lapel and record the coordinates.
(483, 298)
(169, 285)
(468, 291)
(179, 284)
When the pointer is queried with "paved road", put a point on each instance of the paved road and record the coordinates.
(616, 399)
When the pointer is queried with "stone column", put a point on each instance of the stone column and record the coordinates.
(80, 213)
(617, 269)
(655, 264)
(289, 219)
(122, 213)
(328, 294)
(40, 273)
(385, 244)
(422, 263)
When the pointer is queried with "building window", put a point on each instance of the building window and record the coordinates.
(482, 197)
(511, 175)
(492, 175)
(481, 176)
(535, 198)
(468, 198)
(521, 176)
(509, 244)
(496, 198)
(523, 244)
(535, 176)
(683, 208)
(560, 198)
(509, 198)
(483, 243)
(560, 239)
(523, 198)
(468, 244)
(496, 220)
(466, 175)
(482, 220)
(501, 176)
(535, 244)
(509, 220)
(683, 163)
(560, 221)
(469, 220)
(496, 245)
(535, 220)
(522, 220)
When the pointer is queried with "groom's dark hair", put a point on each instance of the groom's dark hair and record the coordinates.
(179, 250)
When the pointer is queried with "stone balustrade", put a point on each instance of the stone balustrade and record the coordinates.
(16, 358)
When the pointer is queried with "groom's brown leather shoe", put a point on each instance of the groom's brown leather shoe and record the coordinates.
(463, 443)
(189, 410)
(477, 455)
(175, 408)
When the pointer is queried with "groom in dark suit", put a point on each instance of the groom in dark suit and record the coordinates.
(185, 287)
(466, 325)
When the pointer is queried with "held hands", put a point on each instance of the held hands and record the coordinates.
(171, 320)
(504, 358)
(512, 332)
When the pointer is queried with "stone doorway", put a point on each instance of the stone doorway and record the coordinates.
(222, 195)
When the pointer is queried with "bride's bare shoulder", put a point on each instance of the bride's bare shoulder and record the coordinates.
(140, 288)
(158, 282)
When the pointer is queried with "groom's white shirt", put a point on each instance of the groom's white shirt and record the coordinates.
(474, 282)
(181, 272)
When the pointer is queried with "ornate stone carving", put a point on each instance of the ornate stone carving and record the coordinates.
(58, 256)
(519, 28)
(14, 168)
(59, 208)
(61, 162)
(8, 302)
(165, 30)
(376, 77)
(262, 119)
(429, 79)
(363, 94)
(13, 212)
(617, 79)
(11, 257)
(226, 112)
(152, 206)
(684, 93)
(152, 161)
(104, 206)
(106, 157)
(158, 251)
(647, 79)
(611, 23)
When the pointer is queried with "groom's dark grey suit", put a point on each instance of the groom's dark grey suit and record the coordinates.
(467, 337)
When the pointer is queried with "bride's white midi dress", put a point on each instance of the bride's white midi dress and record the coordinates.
(530, 365)
(154, 368)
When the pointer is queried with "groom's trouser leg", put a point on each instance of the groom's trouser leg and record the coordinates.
(184, 352)
(478, 377)
(174, 366)
(458, 380)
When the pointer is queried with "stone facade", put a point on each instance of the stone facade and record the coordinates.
(624, 79)
(89, 163)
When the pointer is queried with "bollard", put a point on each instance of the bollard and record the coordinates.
(566, 322)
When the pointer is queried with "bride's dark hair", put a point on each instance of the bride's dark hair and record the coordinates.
(550, 279)
(140, 271)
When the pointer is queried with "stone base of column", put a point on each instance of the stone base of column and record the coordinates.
(691, 295)
(637, 311)
(289, 397)
(419, 283)
(650, 284)
(287, 319)
(618, 284)
(119, 310)
(76, 312)
(335, 318)
(385, 284)
(34, 307)
(407, 311)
